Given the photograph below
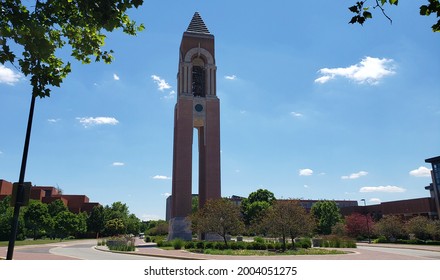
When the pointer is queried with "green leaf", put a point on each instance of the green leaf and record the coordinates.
(424, 10)
(354, 9)
(394, 2)
(367, 15)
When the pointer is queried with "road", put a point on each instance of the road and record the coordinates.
(69, 250)
(84, 250)
(411, 252)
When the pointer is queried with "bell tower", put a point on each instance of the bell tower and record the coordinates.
(197, 107)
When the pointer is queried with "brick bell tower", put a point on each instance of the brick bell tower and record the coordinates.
(197, 107)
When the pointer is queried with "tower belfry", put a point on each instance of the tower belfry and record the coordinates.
(197, 107)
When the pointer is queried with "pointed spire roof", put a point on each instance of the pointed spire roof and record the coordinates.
(197, 25)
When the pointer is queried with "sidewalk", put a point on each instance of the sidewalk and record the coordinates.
(150, 249)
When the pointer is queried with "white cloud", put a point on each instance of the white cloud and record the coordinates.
(421, 172)
(166, 194)
(370, 70)
(387, 189)
(7, 76)
(305, 172)
(161, 83)
(296, 114)
(53, 120)
(375, 200)
(355, 175)
(117, 163)
(115, 77)
(161, 177)
(90, 121)
(170, 95)
(231, 77)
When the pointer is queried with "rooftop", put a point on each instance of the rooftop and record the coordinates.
(197, 25)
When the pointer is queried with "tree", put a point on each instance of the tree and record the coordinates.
(114, 226)
(363, 13)
(37, 34)
(391, 227)
(37, 217)
(420, 227)
(159, 227)
(356, 225)
(254, 206)
(44, 28)
(133, 224)
(287, 218)
(95, 221)
(218, 216)
(326, 214)
(68, 224)
(56, 206)
(6, 216)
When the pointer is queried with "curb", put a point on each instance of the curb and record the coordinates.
(149, 255)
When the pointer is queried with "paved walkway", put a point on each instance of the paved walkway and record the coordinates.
(352, 253)
(42, 252)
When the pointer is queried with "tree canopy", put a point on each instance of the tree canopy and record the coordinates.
(363, 12)
(31, 35)
(254, 206)
(218, 216)
(326, 214)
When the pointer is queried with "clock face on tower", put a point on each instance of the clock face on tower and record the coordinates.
(198, 107)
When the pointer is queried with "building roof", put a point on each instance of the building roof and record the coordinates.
(197, 25)
(433, 160)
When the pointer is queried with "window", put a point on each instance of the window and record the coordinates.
(198, 81)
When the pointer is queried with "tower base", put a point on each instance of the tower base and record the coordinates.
(179, 227)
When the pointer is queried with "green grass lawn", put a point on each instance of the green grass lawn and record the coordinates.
(30, 242)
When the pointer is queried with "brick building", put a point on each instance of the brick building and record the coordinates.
(48, 194)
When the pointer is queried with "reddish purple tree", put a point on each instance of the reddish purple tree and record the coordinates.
(358, 225)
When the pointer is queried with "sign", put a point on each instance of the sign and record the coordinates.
(21, 193)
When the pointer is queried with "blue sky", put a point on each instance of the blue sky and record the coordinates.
(311, 106)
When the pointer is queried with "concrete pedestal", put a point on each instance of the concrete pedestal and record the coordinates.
(179, 227)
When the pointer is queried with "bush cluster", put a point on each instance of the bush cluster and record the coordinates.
(123, 243)
(333, 241)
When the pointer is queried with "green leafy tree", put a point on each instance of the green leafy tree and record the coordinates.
(219, 216)
(391, 227)
(255, 205)
(68, 224)
(420, 226)
(43, 27)
(37, 218)
(96, 220)
(326, 214)
(363, 12)
(159, 227)
(114, 227)
(56, 206)
(6, 216)
(133, 224)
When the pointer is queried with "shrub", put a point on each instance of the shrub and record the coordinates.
(258, 239)
(190, 245)
(209, 245)
(121, 244)
(178, 243)
(304, 243)
(200, 245)
(147, 239)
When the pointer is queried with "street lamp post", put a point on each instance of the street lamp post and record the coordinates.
(368, 226)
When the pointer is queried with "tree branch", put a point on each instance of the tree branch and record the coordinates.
(383, 11)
